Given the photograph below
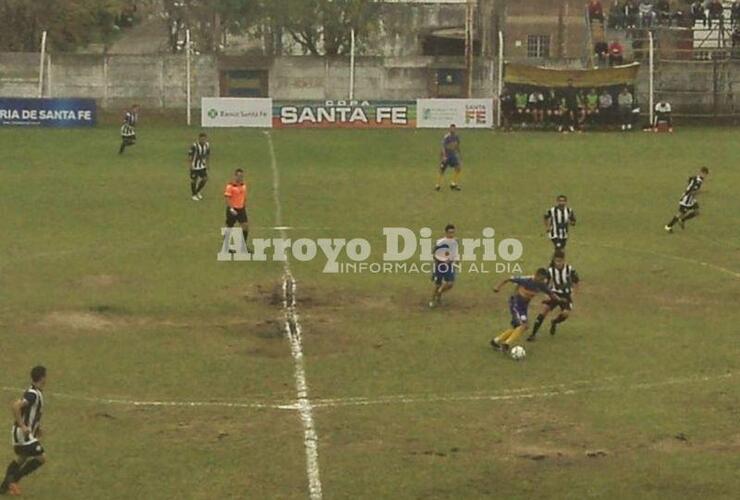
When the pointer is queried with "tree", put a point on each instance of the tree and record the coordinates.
(208, 20)
(69, 23)
(322, 27)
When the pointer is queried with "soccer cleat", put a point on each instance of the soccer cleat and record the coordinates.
(669, 229)
(200, 196)
(14, 490)
(553, 328)
(455, 187)
(532, 337)
(436, 188)
(432, 304)
(195, 198)
(496, 346)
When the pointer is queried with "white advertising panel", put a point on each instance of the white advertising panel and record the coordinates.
(236, 112)
(464, 113)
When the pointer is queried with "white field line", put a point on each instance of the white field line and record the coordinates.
(295, 336)
(675, 257)
(542, 392)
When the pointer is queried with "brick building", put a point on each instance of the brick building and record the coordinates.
(543, 29)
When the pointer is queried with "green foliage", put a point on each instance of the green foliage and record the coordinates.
(69, 23)
(322, 27)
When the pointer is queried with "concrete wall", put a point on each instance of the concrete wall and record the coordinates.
(154, 81)
(117, 81)
(694, 87)
(393, 78)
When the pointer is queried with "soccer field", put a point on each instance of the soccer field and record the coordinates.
(171, 375)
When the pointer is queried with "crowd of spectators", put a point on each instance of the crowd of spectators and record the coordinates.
(568, 109)
(624, 14)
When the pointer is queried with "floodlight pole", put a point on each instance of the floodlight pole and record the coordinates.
(651, 97)
(187, 72)
(352, 65)
(41, 64)
(500, 76)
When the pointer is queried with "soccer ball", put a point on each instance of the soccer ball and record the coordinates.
(518, 353)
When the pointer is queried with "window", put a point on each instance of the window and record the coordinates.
(538, 46)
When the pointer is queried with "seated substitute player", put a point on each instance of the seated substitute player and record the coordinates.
(445, 259)
(26, 432)
(128, 129)
(198, 157)
(526, 289)
(557, 221)
(236, 204)
(536, 106)
(563, 281)
(662, 115)
(688, 207)
(451, 158)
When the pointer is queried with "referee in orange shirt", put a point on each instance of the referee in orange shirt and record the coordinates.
(236, 203)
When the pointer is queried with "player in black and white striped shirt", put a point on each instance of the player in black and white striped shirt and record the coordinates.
(26, 432)
(198, 156)
(688, 207)
(128, 129)
(563, 280)
(557, 221)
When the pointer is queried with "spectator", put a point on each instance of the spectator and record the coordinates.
(602, 52)
(735, 14)
(697, 12)
(736, 43)
(605, 107)
(716, 12)
(663, 9)
(647, 14)
(616, 53)
(662, 115)
(625, 101)
(595, 11)
(630, 13)
(616, 16)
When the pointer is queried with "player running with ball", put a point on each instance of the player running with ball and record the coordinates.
(526, 289)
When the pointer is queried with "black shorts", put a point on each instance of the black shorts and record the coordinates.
(683, 209)
(29, 450)
(201, 173)
(559, 243)
(554, 304)
(240, 216)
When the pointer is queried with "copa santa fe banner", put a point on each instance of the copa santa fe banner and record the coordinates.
(357, 114)
(48, 112)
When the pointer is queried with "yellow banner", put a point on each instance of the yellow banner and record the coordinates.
(522, 74)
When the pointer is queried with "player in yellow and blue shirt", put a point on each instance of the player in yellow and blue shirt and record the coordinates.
(526, 289)
(445, 260)
(450, 158)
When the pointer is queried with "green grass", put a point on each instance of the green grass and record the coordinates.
(109, 277)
